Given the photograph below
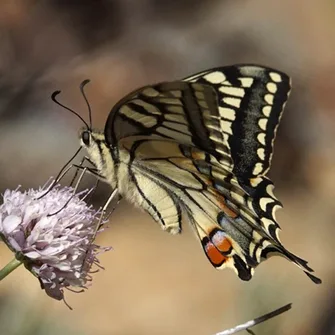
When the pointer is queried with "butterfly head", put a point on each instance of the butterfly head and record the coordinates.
(90, 140)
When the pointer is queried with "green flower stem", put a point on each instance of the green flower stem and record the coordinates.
(11, 266)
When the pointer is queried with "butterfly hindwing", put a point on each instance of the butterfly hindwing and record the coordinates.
(167, 179)
(163, 173)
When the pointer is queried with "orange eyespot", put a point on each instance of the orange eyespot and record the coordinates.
(221, 242)
(214, 255)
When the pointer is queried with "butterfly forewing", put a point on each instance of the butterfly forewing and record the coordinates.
(250, 101)
(185, 112)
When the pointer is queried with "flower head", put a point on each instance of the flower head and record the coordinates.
(54, 242)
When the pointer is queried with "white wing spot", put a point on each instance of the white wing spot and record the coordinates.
(264, 202)
(267, 223)
(258, 252)
(215, 77)
(269, 99)
(225, 163)
(269, 190)
(266, 110)
(150, 92)
(145, 120)
(271, 87)
(224, 153)
(266, 243)
(215, 138)
(255, 181)
(212, 126)
(252, 248)
(249, 202)
(261, 153)
(227, 113)
(274, 210)
(225, 137)
(235, 91)
(261, 138)
(256, 236)
(235, 102)
(276, 77)
(262, 123)
(170, 101)
(246, 82)
(226, 127)
(175, 109)
(257, 169)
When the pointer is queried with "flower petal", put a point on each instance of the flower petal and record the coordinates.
(10, 223)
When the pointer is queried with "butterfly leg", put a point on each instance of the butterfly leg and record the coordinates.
(104, 218)
(74, 192)
(93, 171)
(80, 166)
(114, 206)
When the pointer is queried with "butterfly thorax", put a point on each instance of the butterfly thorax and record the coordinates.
(112, 165)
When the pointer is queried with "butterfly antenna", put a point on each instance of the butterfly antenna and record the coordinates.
(64, 170)
(82, 86)
(53, 98)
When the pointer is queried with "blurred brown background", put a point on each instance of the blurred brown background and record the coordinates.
(155, 283)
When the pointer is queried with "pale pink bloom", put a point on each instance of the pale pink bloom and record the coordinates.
(58, 248)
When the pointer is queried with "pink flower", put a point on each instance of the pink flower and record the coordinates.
(55, 245)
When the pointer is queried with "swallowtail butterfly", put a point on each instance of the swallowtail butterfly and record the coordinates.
(200, 148)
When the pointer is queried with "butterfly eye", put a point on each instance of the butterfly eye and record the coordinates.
(85, 136)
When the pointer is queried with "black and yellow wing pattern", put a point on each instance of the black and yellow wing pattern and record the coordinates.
(201, 147)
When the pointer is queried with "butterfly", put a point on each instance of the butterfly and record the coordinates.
(200, 148)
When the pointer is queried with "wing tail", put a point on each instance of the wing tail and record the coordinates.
(299, 262)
